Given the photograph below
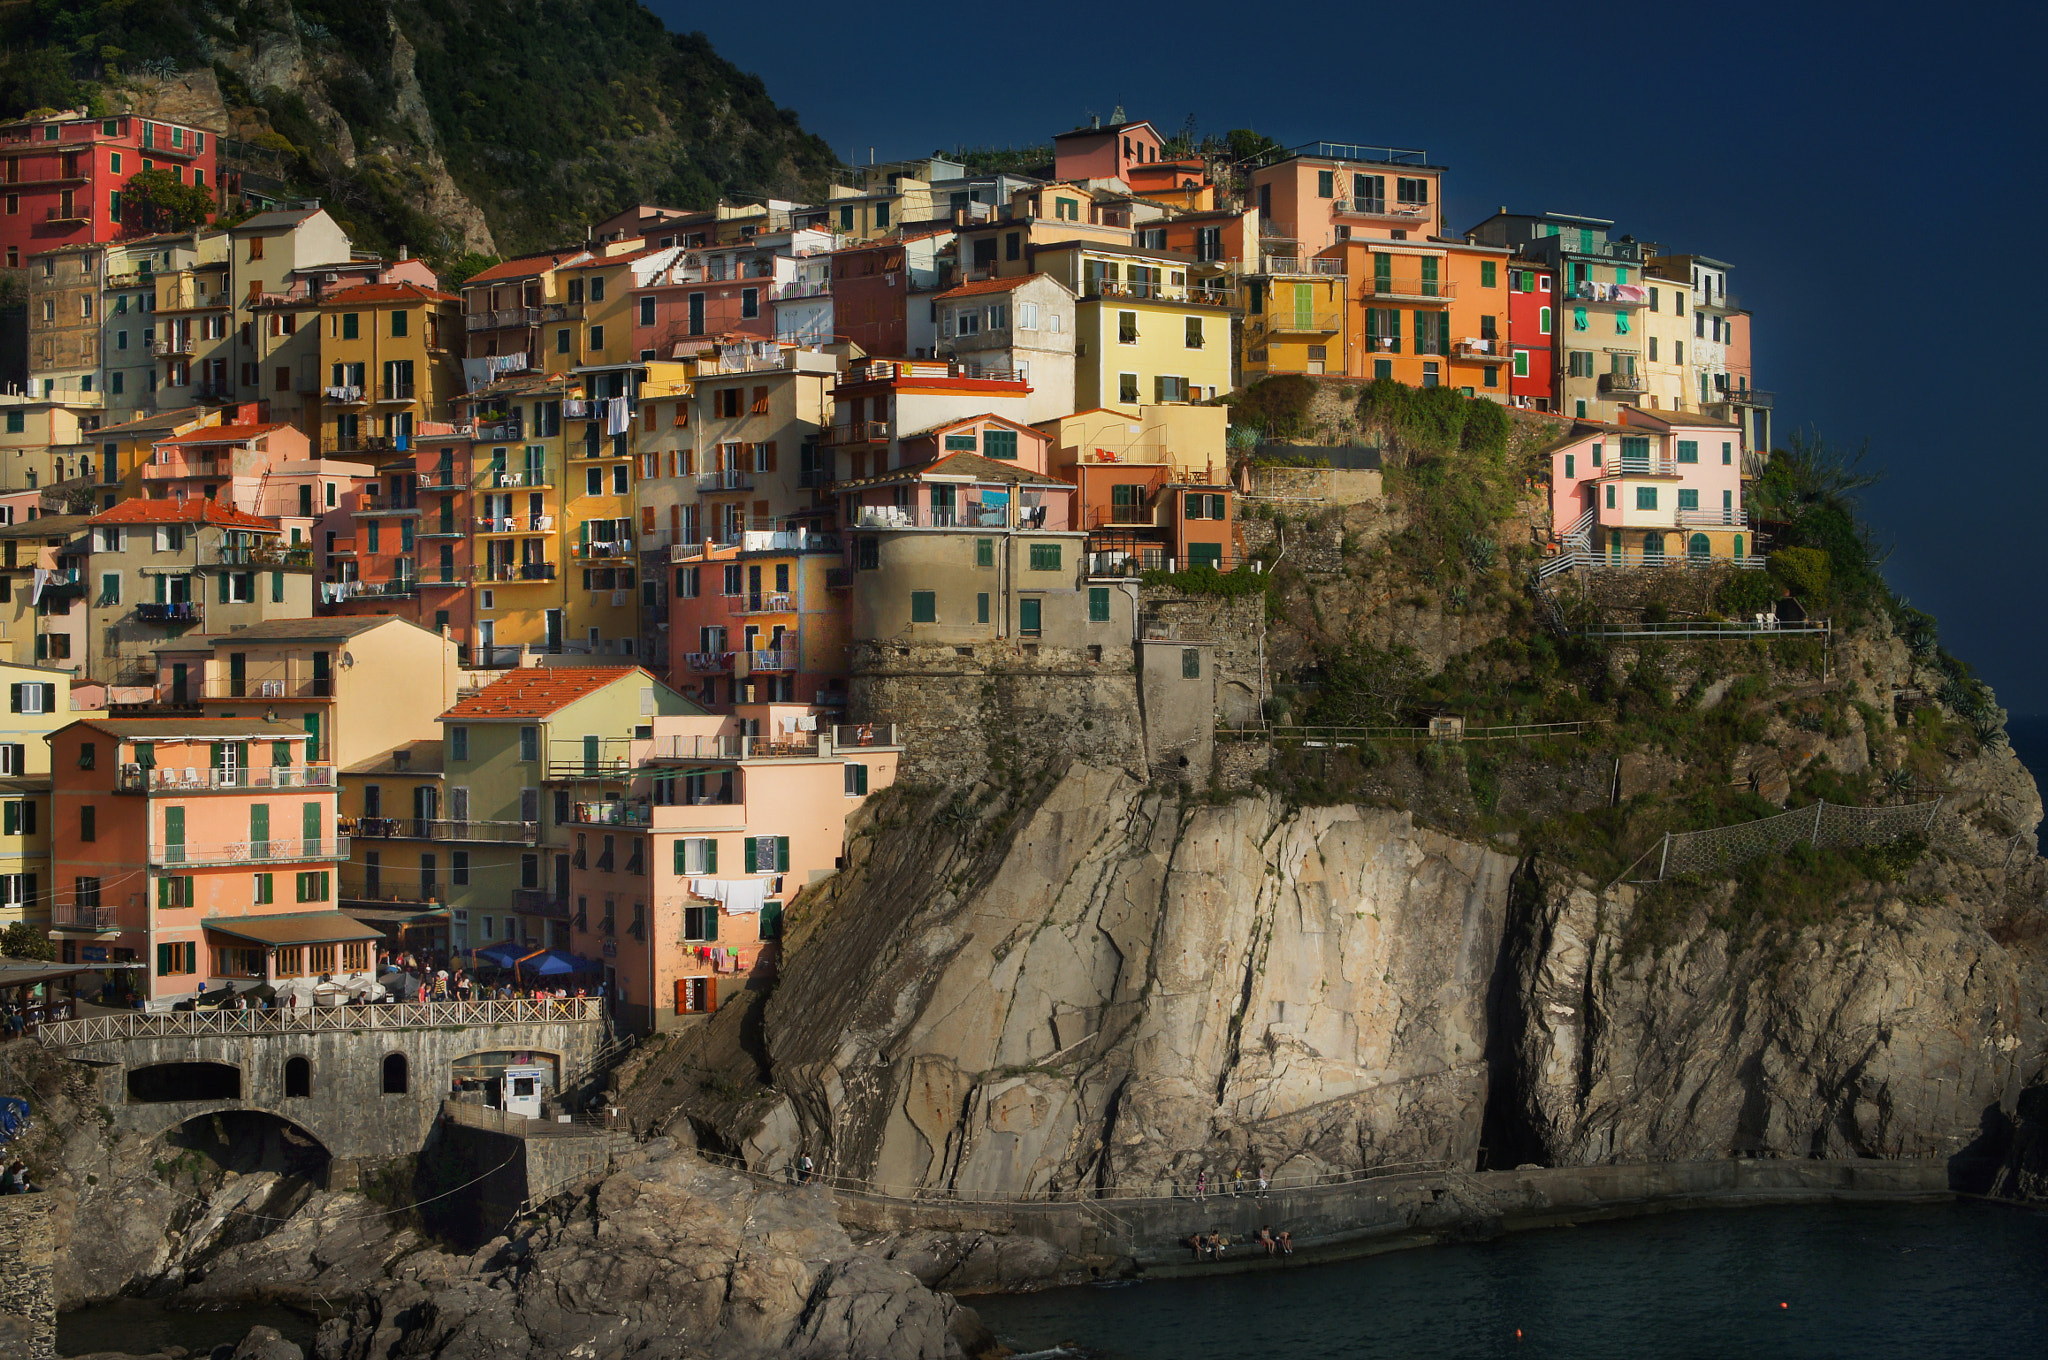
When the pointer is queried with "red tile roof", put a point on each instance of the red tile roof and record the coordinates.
(181, 511)
(525, 266)
(989, 286)
(388, 292)
(536, 691)
(223, 434)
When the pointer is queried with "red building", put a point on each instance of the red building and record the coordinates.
(1532, 336)
(65, 175)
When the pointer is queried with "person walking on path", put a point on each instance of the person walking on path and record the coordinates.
(1236, 1182)
(1201, 1184)
(1261, 1193)
(804, 1167)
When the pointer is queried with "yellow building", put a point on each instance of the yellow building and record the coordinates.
(38, 703)
(1295, 318)
(390, 361)
(1151, 326)
(1667, 333)
(193, 337)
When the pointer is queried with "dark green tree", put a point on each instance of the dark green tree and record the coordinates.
(153, 201)
(23, 941)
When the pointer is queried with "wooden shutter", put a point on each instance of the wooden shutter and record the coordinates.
(14, 698)
(647, 415)
(711, 921)
(682, 857)
(710, 856)
(769, 449)
(747, 853)
(760, 401)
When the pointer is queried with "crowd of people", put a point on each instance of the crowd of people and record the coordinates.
(1213, 1246)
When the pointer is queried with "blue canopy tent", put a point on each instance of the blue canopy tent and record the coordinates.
(556, 963)
(503, 955)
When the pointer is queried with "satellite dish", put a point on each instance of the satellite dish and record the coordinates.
(347, 659)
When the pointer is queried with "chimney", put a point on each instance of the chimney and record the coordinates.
(405, 252)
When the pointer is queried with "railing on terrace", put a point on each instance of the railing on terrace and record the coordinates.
(1428, 290)
(728, 479)
(237, 852)
(1763, 625)
(1379, 207)
(134, 778)
(396, 391)
(856, 432)
(1713, 519)
(733, 747)
(1299, 323)
(1637, 560)
(541, 902)
(514, 524)
(1309, 267)
(709, 662)
(446, 829)
(612, 814)
(502, 478)
(762, 603)
(970, 516)
(1483, 347)
(75, 916)
(1318, 735)
(178, 611)
(603, 547)
(173, 346)
(503, 316)
(260, 555)
(387, 886)
(321, 1019)
(760, 540)
(1158, 292)
(501, 429)
(1622, 382)
(1619, 466)
(848, 735)
(772, 660)
(507, 573)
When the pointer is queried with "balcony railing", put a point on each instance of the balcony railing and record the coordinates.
(73, 916)
(443, 829)
(503, 316)
(848, 735)
(291, 849)
(970, 516)
(613, 814)
(1713, 519)
(347, 394)
(731, 479)
(1379, 207)
(1425, 290)
(1629, 383)
(762, 603)
(180, 611)
(603, 547)
(507, 573)
(261, 555)
(708, 662)
(133, 778)
(1618, 466)
(1303, 323)
(395, 391)
(173, 346)
(501, 429)
(781, 659)
(270, 687)
(540, 902)
(498, 478)
(1310, 267)
(856, 432)
(514, 524)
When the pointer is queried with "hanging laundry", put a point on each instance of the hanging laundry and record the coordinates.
(617, 419)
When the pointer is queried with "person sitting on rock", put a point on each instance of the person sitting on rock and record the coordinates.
(1286, 1242)
(1266, 1238)
(1195, 1240)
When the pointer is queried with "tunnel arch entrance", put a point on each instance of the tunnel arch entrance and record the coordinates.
(173, 1082)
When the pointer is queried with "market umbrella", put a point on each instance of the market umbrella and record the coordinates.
(503, 955)
(556, 963)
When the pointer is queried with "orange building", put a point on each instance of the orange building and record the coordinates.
(205, 849)
(1320, 193)
(1427, 313)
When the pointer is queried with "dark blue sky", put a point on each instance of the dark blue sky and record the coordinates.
(1877, 174)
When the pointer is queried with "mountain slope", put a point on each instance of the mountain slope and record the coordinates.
(448, 125)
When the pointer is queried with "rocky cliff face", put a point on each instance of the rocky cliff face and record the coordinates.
(1109, 986)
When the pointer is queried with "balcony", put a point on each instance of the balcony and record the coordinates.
(1113, 289)
(388, 885)
(441, 529)
(1713, 519)
(780, 659)
(1138, 516)
(847, 736)
(800, 745)
(803, 288)
(1381, 209)
(508, 573)
(346, 394)
(297, 296)
(81, 212)
(396, 392)
(613, 814)
(133, 778)
(370, 506)
(761, 602)
(1617, 294)
(708, 663)
(273, 687)
(731, 479)
(1640, 467)
(442, 829)
(603, 549)
(540, 902)
(261, 555)
(397, 587)
(501, 429)
(1621, 384)
(501, 318)
(177, 611)
(1410, 289)
(172, 346)
(1482, 348)
(856, 432)
(1297, 267)
(73, 916)
(1301, 323)
(971, 516)
(509, 478)
(514, 524)
(292, 850)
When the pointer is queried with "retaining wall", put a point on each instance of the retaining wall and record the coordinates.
(28, 1301)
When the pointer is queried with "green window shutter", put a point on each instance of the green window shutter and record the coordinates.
(1487, 277)
(1521, 363)
(680, 854)
(1570, 470)
(981, 607)
(984, 552)
(1688, 451)
(1029, 616)
(924, 606)
(860, 779)
(223, 579)
(1646, 498)
(1190, 663)
(1727, 454)
(10, 819)
(1098, 604)
(782, 854)
(747, 854)
(710, 856)
(1610, 495)
(163, 960)
(277, 587)
(1688, 499)
(1578, 318)
(259, 821)
(1621, 323)
(711, 921)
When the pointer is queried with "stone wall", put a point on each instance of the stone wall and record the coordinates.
(1311, 487)
(969, 713)
(28, 1303)
(1235, 626)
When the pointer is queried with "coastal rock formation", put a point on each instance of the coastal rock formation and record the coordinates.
(669, 1257)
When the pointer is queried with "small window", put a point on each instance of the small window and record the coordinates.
(856, 780)
(1646, 498)
(1190, 663)
(458, 743)
(398, 323)
(395, 1074)
(1688, 451)
(1571, 471)
(1098, 604)
(529, 743)
(924, 606)
(984, 552)
(1045, 557)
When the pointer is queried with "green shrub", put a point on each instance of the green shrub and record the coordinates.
(1745, 593)
(1203, 579)
(1279, 405)
(1803, 571)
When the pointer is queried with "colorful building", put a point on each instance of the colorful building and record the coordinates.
(42, 586)
(1152, 326)
(881, 293)
(1315, 195)
(1532, 336)
(65, 173)
(1602, 298)
(390, 360)
(1660, 488)
(38, 703)
(207, 849)
(1152, 487)
(1020, 327)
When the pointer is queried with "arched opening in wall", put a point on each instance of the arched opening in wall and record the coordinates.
(505, 1079)
(298, 1078)
(395, 1074)
(164, 1083)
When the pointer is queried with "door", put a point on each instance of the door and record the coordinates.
(592, 746)
(180, 683)
(696, 313)
(313, 747)
(323, 674)
(536, 466)
(309, 827)
(174, 835)
(238, 674)
(259, 830)
(1028, 616)
(554, 630)
(425, 808)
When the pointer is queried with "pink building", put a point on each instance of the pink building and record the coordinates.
(685, 870)
(204, 849)
(1107, 151)
(1660, 488)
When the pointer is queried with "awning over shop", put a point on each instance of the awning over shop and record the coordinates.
(299, 927)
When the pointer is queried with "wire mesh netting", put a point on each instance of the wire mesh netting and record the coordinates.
(1824, 825)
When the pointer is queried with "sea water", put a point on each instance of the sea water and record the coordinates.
(1861, 1282)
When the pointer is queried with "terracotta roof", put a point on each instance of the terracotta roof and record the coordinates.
(293, 927)
(537, 691)
(181, 511)
(525, 266)
(970, 465)
(990, 286)
(1688, 419)
(223, 434)
(195, 729)
(388, 292)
